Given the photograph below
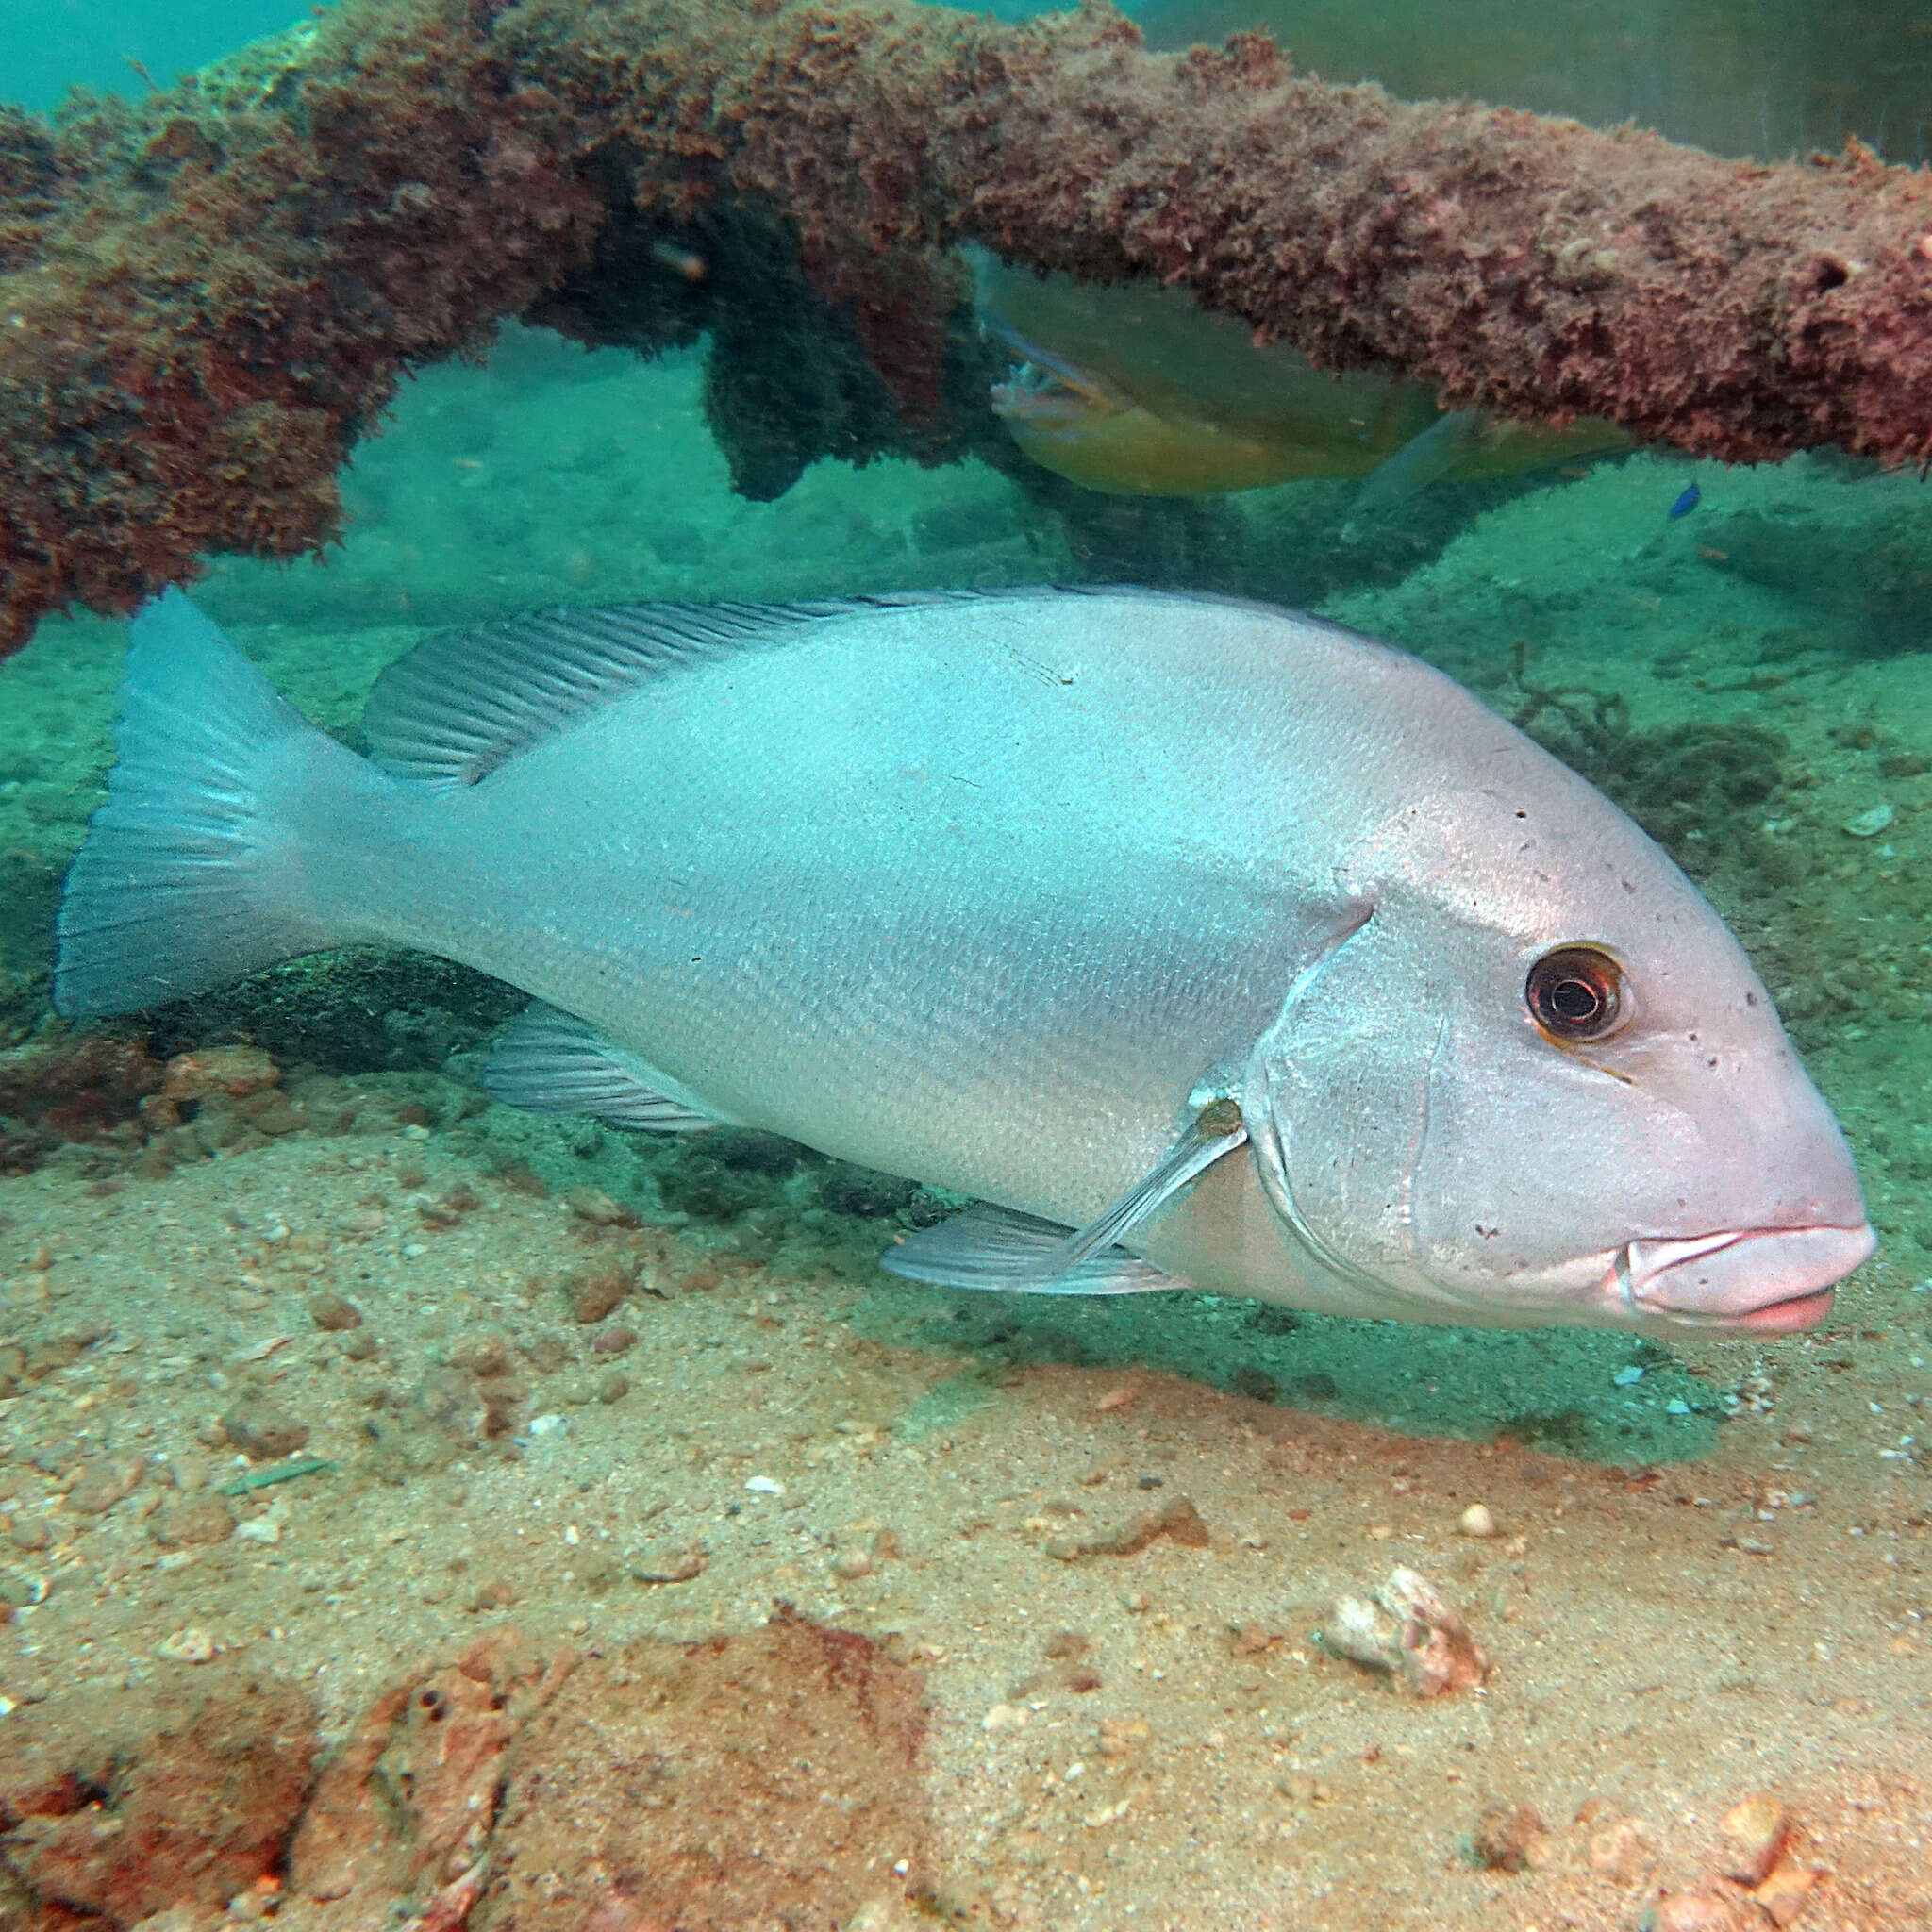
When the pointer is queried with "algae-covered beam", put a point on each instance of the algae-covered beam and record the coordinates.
(206, 298)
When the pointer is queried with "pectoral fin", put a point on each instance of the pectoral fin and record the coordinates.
(997, 1249)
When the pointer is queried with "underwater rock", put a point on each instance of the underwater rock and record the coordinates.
(178, 1791)
(406, 1804)
(762, 1779)
(1512, 1837)
(1408, 1630)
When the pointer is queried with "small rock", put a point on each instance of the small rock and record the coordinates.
(31, 1533)
(594, 1205)
(1868, 825)
(1476, 1521)
(613, 1385)
(189, 1645)
(362, 1347)
(334, 1313)
(1620, 1852)
(233, 1071)
(264, 1434)
(1178, 1521)
(851, 1565)
(1785, 1891)
(1691, 1911)
(200, 1517)
(103, 1481)
(265, 1528)
(598, 1292)
(1512, 1837)
(1408, 1630)
(1755, 1831)
(615, 1339)
(669, 1566)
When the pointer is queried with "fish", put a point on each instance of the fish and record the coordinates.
(1133, 389)
(1201, 943)
(1687, 501)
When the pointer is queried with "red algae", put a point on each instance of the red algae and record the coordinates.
(205, 300)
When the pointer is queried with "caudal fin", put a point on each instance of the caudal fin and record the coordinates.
(189, 875)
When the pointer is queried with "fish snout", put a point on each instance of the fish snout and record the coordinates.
(1759, 1280)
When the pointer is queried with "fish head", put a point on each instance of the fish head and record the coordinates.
(1536, 1089)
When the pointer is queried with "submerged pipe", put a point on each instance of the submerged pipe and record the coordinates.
(206, 297)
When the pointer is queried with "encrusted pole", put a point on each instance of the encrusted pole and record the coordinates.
(207, 298)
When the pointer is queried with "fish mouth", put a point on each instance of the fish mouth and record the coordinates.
(1740, 1280)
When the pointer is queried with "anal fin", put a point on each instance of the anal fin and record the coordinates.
(548, 1061)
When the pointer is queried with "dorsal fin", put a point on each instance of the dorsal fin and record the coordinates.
(459, 706)
(462, 704)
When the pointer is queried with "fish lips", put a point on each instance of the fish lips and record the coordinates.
(1749, 1280)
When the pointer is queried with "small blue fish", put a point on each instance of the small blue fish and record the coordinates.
(1691, 497)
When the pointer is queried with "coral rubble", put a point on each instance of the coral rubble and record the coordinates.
(206, 298)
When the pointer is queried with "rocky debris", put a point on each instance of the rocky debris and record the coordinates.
(191, 1519)
(1755, 1832)
(1691, 1911)
(763, 1779)
(1476, 1520)
(177, 1792)
(598, 1292)
(683, 1565)
(71, 1090)
(599, 1208)
(1620, 1851)
(1785, 1891)
(334, 1314)
(1178, 1521)
(263, 1434)
(1408, 1630)
(405, 1805)
(1512, 1837)
(102, 1481)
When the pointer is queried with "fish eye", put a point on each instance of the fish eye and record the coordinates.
(1575, 994)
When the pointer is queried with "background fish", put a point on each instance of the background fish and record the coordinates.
(1134, 389)
(1215, 945)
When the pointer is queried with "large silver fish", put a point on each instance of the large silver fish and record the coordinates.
(1214, 945)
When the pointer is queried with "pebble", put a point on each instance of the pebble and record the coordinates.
(1691, 1911)
(1620, 1852)
(1755, 1832)
(594, 1205)
(103, 1481)
(334, 1313)
(851, 1565)
(1783, 1892)
(1410, 1631)
(30, 1533)
(202, 1517)
(264, 1434)
(1868, 825)
(1476, 1521)
(1512, 1837)
(598, 1294)
(189, 1645)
